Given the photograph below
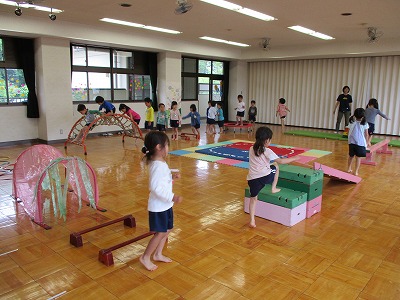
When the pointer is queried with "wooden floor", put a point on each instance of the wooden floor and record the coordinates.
(351, 250)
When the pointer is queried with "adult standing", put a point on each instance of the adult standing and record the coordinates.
(343, 101)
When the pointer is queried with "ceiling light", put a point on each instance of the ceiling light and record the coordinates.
(240, 9)
(311, 32)
(131, 24)
(223, 41)
(27, 5)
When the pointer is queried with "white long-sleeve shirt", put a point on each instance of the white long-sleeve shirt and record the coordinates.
(160, 186)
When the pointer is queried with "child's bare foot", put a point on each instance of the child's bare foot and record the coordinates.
(147, 264)
(349, 171)
(162, 258)
(275, 190)
(252, 225)
(356, 173)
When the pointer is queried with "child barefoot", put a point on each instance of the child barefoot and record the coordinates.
(358, 135)
(261, 172)
(161, 198)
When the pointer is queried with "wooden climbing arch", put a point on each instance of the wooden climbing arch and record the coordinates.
(128, 126)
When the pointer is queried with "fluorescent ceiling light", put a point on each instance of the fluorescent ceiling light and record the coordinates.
(311, 32)
(131, 24)
(240, 9)
(223, 41)
(26, 5)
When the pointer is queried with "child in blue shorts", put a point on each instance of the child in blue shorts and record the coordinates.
(161, 198)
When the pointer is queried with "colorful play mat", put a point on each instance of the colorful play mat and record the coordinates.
(236, 153)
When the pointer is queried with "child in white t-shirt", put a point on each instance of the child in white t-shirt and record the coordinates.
(358, 136)
(240, 109)
(261, 172)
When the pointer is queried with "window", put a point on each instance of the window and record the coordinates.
(109, 73)
(202, 78)
(13, 88)
(205, 66)
(1, 50)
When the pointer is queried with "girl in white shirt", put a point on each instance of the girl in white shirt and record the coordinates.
(240, 109)
(161, 197)
(358, 136)
(261, 172)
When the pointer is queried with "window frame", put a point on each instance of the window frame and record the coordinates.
(197, 74)
(130, 71)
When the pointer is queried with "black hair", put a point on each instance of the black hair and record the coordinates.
(123, 106)
(373, 102)
(240, 96)
(219, 103)
(81, 107)
(282, 100)
(151, 140)
(359, 113)
(253, 101)
(209, 102)
(99, 99)
(193, 107)
(159, 105)
(147, 99)
(262, 134)
(345, 87)
(174, 103)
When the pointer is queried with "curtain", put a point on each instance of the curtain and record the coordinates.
(311, 87)
(25, 55)
(152, 71)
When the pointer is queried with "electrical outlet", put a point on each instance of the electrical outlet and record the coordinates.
(61, 131)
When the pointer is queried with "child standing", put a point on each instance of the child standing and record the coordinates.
(252, 112)
(220, 116)
(90, 116)
(130, 112)
(370, 114)
(240, 109)
(281, 111)
(194, 120)
(211, 115)
(161, 197)
(358, 135)
(162, 118)
(261, 172)
(175, 119)
(149, 119)
(108, 106)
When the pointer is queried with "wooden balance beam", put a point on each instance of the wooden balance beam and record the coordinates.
(381, 147)
(106, 256)
(75, 238)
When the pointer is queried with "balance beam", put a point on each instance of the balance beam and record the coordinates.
(75, 238)
(381, 147)
(337, 174)
(234, 126)
(106, 256)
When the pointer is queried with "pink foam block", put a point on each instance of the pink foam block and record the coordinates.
(381, 147)
(279, 214)
(337, 174)
(314, 206)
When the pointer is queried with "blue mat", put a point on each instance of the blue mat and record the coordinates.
(226, 152)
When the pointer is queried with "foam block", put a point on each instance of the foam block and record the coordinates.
(276, 213)
(313, 190)
(314, 206)
(300, 174)
(285, 198)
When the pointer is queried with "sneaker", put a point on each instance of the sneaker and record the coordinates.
(336, 132)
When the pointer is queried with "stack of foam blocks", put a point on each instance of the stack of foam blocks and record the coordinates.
(300, 196)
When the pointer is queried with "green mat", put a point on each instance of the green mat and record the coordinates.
(335, 136)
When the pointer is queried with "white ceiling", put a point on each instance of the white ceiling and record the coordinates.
(205, 19)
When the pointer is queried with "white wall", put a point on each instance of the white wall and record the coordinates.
(16, 126)
(53, 80)
(238, 84)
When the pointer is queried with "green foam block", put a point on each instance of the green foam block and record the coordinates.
(285, 198)
(313, 190)
(300, 174)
